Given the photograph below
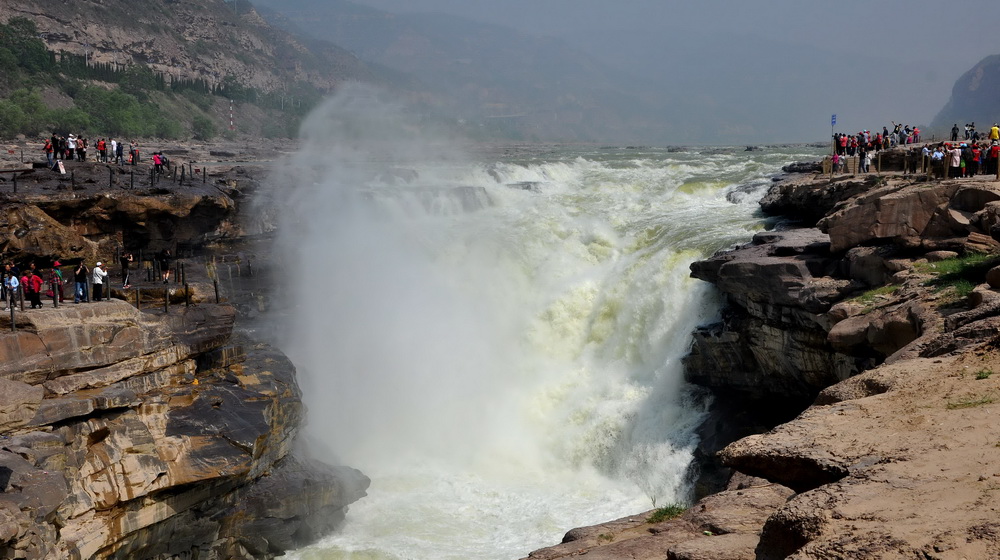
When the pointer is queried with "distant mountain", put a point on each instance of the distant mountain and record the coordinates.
(492, 79)
(208, 40)
(975, 98)
(164, 68)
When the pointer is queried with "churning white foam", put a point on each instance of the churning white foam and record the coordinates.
(498, 347)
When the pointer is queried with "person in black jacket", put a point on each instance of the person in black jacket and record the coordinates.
(80, 275)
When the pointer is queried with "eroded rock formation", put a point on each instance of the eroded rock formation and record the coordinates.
(154, 433)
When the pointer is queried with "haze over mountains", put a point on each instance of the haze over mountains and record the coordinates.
(686, 74)
(665, 83)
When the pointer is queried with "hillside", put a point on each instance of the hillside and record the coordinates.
(212, 52)
(187, 40)
(495, 80)
(975, 97)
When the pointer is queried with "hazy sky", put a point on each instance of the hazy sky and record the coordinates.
(892, 59)
(959, 33)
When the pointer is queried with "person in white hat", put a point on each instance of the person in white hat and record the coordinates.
(99, 275)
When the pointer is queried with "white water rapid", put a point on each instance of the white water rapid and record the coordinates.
(497, 342)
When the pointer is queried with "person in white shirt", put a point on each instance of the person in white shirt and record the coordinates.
(12, 284)
(99, 275)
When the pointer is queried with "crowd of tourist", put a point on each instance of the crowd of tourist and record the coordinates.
(851, 145)
(978, 153)
(963, 159)
(33, 283)
(71, 147)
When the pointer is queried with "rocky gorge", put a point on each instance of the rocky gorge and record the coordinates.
(154, 424)
(854, 384)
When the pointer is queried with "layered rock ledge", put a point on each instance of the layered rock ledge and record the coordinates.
(861, 347)
(153, 433)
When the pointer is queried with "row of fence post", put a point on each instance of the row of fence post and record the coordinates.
(180, 278)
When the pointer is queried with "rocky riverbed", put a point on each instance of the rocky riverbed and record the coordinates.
(153, 425)
(863, 339)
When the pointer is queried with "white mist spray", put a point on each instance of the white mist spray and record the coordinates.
(396, 345)
(503, 363)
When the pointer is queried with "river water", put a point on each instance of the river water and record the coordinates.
(498, 340)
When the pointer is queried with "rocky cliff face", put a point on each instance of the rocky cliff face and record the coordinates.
(974, 98)
(131, 434)
(188, 40)
(882, 315)
(158, 432)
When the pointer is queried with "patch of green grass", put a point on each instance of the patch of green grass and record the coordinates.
(954, 294)
(970, 402)
(960, 272)
(666, 513)
(605, 537)
(984, 373)
(868, 298)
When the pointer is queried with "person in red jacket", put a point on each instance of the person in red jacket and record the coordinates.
(49, 150)
(34, 282)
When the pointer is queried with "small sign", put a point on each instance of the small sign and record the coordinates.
(11, 152)
(62, 169)
(833, 120)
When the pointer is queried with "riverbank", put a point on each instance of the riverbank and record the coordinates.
(877, 314)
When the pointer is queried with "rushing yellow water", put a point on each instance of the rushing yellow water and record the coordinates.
(507, 371)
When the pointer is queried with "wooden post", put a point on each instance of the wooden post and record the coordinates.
(215, 283)
(20, 294)
(878, 166)
(183, 275)
(111, 177)
(138, 298)
(187, 296)
(249, 266)
(55, 294)
(72, 179)
(204, 174)
(166, 300)
(14, 176)
(131, 179)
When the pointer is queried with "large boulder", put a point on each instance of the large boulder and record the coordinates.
(807, 202)
(901, 214)
(895, 462)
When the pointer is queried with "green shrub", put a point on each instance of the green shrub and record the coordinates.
(69, 119)
(666, 513)
(203, 128)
